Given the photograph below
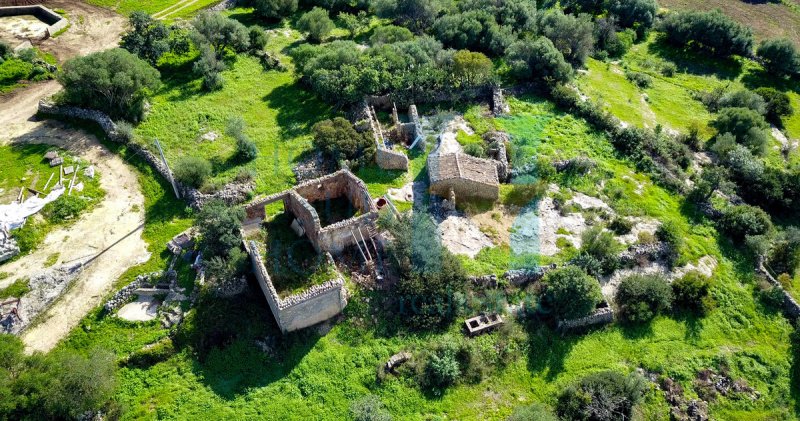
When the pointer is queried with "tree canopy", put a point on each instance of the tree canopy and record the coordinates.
(113, 81)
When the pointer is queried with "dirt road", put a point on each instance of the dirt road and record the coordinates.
(110, 235)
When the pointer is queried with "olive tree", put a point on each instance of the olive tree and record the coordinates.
(114, 81)
(316, 23)
(570, 293)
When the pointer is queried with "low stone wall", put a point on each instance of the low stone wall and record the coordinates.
(465, 189)
(388, 159)
(335, 238)
(791, 307)
(316, 304)
(123, 296)
(231, 193)
(54, 21)
(499, 104)
(600, 316)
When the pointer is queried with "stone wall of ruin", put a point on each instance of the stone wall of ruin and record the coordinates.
(54, 21)
(465, 189)
(335, 238)
(314, 305)
(599, 317)
(306, 214)
(388, 159)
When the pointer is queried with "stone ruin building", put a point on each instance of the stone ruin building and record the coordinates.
(458, 175)
(319, 302)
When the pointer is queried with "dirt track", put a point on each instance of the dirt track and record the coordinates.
(111, 233)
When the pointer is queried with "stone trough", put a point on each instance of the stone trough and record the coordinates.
(483, 323)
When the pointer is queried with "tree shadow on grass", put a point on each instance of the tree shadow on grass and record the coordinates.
(758, 79)
(547, 350)
(297, 109)
(222, 335)
(695, 61)
(634, 331)
(693, 322)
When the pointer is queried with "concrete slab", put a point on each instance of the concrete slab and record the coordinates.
(144, 309)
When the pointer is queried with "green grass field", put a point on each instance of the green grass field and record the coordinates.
(313, 376)
(170, 9)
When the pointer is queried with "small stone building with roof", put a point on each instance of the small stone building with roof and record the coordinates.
(466, 176)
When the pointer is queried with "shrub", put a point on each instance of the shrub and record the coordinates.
(743, 98)
(441, 370)
(220, 32)
(638, 14)
(89, 81)
(713, 31)
(258, 38)
(246, 149)
(390, 34)
(777, 104)
(668, 69)
(416, 15)
(339, 140)
(621, 226)
(148, 37)
(475, 149)
(534, 412)
(780, 56)
(746, 125)
(64, 208)
(274, 9)
(669, 234)
(588, 263)
(208, 67)
(571, 35)
(642, 297)
(369, 408)
(601, 245)
(125, 132)
(784, 253)
(570, 293)
(317, 23)
(429, 274)
(219, 228)
(539, 60)
(5, 50)
(743, 220)
(641, 80)
(192, 170)
(602, 396)
(14, 70)
(693, 292)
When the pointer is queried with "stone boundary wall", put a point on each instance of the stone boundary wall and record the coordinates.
(790, 306)
(54, 21)
(231, 193)
(599, 317)
(123, 295)
(499, 104)
(309, 307)
(224, 5)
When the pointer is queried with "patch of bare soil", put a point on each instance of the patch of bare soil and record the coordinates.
(461, 236)
(107, 240)
(496, 223)
(92, 29)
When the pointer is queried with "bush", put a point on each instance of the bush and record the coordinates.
(638, 14)
(219, 229)
(220, 32)
(669, 69)
(693, 292)
(621, 226)
(441, 370)
(246, 149)
(429, 274)
(538, 60)
(390, 34)
(258, 38)
(744, 220)
(570, 293)
(274, 9)
(208, 67)
(5, 50)
(743, 98)
(14, 70)
(601, 245)
(416, 15)
(589, 264)
(192, 170)
(339, 140)
(369, 408)
(746, 125)
(780, 56)
(603, 396)
(713, 31)
(64, 208)
(572, 36)
(642, 297)
(777, 104)
(535, 412)
(148, 38)
(641, 80)
(669, 234)
(125, 132)
(87, 81)
(317, 23)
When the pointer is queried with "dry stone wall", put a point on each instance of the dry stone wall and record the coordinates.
(231, 193)
(599, 317)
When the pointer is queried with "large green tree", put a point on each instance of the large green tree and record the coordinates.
(113, 81)
(570, 293)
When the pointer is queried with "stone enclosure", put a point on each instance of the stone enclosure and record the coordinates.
(319, 302)
(19, 22)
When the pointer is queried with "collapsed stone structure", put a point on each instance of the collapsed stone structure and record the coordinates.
(386, 157)
(319, 302)
(463, 176)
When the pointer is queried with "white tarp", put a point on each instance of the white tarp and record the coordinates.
(13, 215)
